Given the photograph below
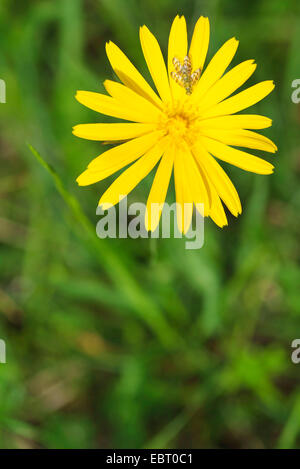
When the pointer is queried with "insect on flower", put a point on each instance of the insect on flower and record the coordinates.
(190, 123)
(183, 74)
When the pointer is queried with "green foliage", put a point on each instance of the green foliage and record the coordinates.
(127, 343)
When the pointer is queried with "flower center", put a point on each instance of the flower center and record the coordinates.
(180, 121)
(177, 126)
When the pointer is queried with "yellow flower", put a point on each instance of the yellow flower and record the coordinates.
(190, 122)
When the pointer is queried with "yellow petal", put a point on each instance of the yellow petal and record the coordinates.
(242, 100)
(242, 121)
(129, 75)
(177, 48)
(188, 207)
(156, 63)
(126, 97)
(159, 190)
(199, 191)
(184, 199)
(110, 106)
(242, 138)
(229, 83)
(111, 132)
(217, 176)
(200, 42)
(216, 68)
(217, 212)
(238, 158)
(127, 181)
(116, 158)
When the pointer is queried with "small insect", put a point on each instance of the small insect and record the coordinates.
(187, 64)
(177, 64)
(195, 76)
(183, 74)
(178, 78)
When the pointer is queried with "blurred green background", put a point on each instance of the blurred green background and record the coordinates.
(131, 343)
